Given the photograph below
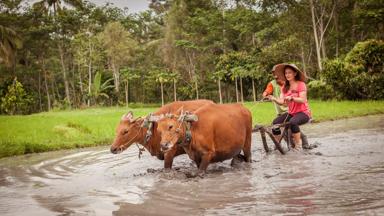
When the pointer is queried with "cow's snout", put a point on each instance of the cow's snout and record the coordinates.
(165, 146)
(114, 150)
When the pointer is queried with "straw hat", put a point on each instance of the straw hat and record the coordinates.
(280, 68)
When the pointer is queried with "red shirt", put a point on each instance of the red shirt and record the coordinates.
(295, 107)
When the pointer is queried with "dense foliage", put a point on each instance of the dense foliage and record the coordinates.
(75, 54)
(360, 74)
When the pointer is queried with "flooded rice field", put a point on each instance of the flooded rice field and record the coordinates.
(343, 176)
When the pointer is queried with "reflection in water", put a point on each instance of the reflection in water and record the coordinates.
(346, 178)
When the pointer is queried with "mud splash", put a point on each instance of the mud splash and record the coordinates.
(343, 176)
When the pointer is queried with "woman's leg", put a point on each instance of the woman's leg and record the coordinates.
(278, 120)
(295, 121)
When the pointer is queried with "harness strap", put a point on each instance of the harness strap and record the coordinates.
(141, 150)
(148, 135)
(188, 135)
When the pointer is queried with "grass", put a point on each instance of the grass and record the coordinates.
(60, 129)
(56, 130)
(264, 113)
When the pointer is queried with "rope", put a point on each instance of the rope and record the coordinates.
(140, 149)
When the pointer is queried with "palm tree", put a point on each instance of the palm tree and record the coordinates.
(161, 76)
(9, 42)
(174, 77)
(128, 75)
(218, 76)
(239, 72)
(46, 6)
(55, 5)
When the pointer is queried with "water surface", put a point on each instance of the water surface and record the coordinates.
(343, 176)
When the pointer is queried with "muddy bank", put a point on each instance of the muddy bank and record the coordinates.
(343, 176)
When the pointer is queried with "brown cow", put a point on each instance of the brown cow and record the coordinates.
(131, 131)
(219, 132)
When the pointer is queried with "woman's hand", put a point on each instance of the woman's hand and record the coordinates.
(288, 99)
(271, 97)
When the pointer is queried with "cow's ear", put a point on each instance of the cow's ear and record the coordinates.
(128, 116)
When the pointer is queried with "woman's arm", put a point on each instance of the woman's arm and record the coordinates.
(302, 98)
(279, 101)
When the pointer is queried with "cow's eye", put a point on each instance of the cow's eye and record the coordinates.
(125, 131)
(170, 127)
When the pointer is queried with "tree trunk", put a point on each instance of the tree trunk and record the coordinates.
(75, 98)
(174, 90)
(237, 94)
(197, 90)
(241, 90)
(162, 94)
(223, 24)
(40, 105)
(89, 85)
(254, 90)
(315, 35)
(220, 96)
(336, 23)
(89, 74)
(303, 59)
(126, 93)
(53, 91)
(46, 86)
(81, 86)
(322, 43)
(116, 76)
(56, 89)
(66, 84)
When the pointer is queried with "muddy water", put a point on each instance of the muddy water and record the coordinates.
(343, 176)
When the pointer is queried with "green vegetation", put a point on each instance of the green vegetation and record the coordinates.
(60, 130)
(81, 128)
(74, 54)
(54, 57)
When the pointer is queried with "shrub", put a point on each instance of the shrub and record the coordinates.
(360, 75)
(16, 100)
(318, 89)
(367, 56)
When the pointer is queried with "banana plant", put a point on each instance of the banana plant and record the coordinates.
(98, 89)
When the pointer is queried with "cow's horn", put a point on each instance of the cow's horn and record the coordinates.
(128, 116)
(191, 117)
(155, 118)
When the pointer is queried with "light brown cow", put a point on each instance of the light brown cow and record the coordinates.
(130, 130)
(219, 132)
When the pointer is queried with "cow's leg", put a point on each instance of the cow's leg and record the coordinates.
(237, 159)
(168, 158)
(247, 147)
(205, 160)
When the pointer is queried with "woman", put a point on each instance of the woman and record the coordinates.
(294, 95)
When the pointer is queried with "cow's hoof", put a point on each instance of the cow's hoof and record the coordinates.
(201, 174)
(191, 174)
(195, 174)
(150, 170)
